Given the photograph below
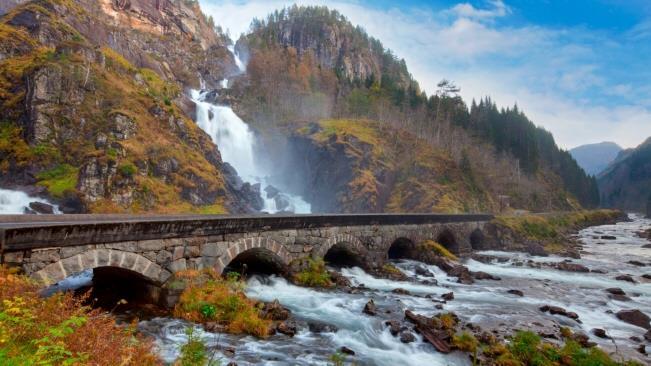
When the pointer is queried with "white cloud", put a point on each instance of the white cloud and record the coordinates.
(546, 71)
(466, 10)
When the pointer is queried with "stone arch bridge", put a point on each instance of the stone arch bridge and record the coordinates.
(50, 248)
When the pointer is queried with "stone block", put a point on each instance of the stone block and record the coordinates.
(67, 252)
(103, 257)
(128, 260)
(72, 265)
(177, 253)
(192, 251)
(162, 256)
(149, 245)
(14, 257)
(178, 265)
(129, 246)
(213, 249)
(46, 255)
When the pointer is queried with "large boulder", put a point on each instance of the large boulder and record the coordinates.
(635, 317)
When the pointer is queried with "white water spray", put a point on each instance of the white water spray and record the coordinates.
(237, 144)
(16, 202)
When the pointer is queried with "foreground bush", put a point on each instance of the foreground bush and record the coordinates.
(315, 275)
(59, 330)
(209, 298)
(527, 348)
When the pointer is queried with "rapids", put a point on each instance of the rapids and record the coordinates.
(486, 303)
(15, 202)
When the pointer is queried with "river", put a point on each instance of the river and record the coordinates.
(486, 303)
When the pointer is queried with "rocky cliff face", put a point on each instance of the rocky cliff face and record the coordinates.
(98, 132)
(626, 184)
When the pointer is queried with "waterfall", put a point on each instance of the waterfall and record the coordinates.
(17, 202)
(237, 144)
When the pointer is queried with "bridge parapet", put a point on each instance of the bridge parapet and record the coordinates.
(52, 247)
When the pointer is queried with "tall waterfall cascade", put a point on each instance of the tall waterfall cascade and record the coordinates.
(237, 144)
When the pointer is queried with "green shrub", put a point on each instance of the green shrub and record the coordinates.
(315, 275)
(59, 180)
(128, 170)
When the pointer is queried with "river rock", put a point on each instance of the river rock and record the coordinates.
(634, 317)
(448, 297)
(646, 246)
(462, 273)
(274, 311)
(426, 327)
(422, 271)
(214, 327)
(608, 237)
(600, 333)
(287, 328)
(370, 308)
(627, 278)
(407, 337)
(400, 291)
(318, 327)
(485, 276)
(347, 351)
(646, 276)
(340, 280)
(557, 310)
(394, 327)
(572, 267)
(516, 292)
(647, 335)
(635, 263)
(615, 291)
(42, 208)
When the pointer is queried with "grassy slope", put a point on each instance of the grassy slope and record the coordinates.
(426, 179)
(110, 88)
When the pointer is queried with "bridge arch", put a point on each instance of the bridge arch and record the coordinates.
(401, 248)
(448, 240)
(477, 239)
(100, 258)
(255, 255)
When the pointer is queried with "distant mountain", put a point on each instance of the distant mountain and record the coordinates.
(594, 158)
(626, 183)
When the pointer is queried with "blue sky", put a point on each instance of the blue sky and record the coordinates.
(579, 68)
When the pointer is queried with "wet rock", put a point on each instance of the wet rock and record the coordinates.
(600, 333)
(438, 306)
(271, 191)
(637, 263)
(407, 337)
(282, 202)
(572, 267)
(557, 310)
(646, 276)
(516, 292)
(646, 246)
(627, 278)
(462, 273)
(274, 311)
(608, 237)
(422, 271)
(426, 327)
(647, 335)
(615, 291)
(318, 327)
(485, 276)
(583, 340)
(400, 291)
(214, 327)
(370, 308)
(620, 297)
(448, 297)
(347, 351)
(287, 328)
(340, 280)
(600, 271)
(634, 317)
(394, 327)
(641, 349)
(42, 208)
(229, 351)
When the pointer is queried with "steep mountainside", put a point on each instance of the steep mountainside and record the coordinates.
(626, 183)
(309, 64)
(594, 158)
(93, 114)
